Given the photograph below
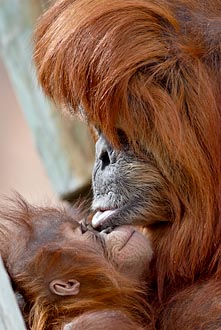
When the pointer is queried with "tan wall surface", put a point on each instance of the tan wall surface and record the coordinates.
(20, 166)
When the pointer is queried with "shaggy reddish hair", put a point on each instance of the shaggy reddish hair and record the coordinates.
(35, 251)
(151, 68)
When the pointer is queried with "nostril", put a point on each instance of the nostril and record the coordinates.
(104, 157)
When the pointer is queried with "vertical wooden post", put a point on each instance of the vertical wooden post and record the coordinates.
(10, 316)
(64, 146)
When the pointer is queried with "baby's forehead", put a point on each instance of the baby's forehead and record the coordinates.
(51, 223)
(55, 216)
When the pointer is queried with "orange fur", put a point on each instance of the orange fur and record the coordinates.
(35, 252)
(153, 69)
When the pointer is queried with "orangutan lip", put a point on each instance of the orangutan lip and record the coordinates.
(101, 216)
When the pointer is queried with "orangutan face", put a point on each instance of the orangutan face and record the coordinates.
(127, 189)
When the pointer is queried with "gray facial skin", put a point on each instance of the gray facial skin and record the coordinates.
(127, 190)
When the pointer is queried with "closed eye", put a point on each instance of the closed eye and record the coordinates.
(122, 138)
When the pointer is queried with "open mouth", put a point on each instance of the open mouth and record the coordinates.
(101, 216)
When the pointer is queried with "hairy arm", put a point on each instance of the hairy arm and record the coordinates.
(196, 307)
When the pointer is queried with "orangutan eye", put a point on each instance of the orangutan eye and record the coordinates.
(98, 130)
(122, 137)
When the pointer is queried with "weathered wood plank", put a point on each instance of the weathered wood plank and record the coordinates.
(66, 148)
(10, 316)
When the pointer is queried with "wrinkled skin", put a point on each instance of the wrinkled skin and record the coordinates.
(127, 190)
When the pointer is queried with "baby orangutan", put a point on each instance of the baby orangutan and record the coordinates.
(72, 277)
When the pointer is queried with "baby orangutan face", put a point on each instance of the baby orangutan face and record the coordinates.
(63, 268)
(38, 231)
(125, 247)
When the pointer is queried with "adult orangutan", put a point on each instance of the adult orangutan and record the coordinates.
(68, 276)
(146, 74)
